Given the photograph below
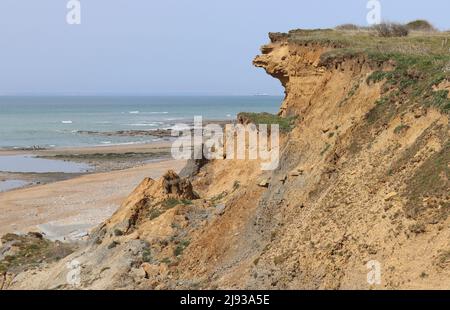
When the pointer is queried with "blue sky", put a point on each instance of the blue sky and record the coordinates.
(165, 47)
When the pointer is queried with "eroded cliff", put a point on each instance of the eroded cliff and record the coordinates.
(363, 176)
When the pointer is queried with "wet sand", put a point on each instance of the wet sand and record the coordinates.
(98, 159)
(68, 209)
(27, 163)
(11, 184)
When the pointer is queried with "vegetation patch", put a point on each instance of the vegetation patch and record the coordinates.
(443, 259)
(186, 202)
(118, 232)
(347, 27)
(431, 180)
(22, 252)
(417, 228)
(400, 129)
(154, 213)
(325, 149)
(165, 205)
(286, 124)
(391, 30)
(146, 255)
(166, 260)
(170, 203)
(113, 244)
(420, 25)
(179, 249)
(350, 94)
(414, 77)
(236, 185)
(278, 260)
(383, 111)
(219, 197)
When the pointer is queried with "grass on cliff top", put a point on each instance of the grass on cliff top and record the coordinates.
(350, 41)
(421, 60)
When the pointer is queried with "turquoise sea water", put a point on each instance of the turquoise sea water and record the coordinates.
(56, 121)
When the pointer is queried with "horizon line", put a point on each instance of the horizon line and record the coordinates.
(106, 94)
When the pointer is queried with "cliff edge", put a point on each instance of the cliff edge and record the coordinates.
(364, 176)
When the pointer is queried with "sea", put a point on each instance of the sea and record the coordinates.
(51, 122)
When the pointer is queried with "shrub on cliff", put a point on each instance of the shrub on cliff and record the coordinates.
(347, 27)
(420, 25)
(386, 30)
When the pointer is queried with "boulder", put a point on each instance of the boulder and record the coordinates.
(179, 187)
(264, 183)
(220, 209)
(193, 165)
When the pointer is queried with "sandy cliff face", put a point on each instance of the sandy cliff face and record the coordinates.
(365, 192)
(357, 182)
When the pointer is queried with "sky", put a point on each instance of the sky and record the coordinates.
(173, 47)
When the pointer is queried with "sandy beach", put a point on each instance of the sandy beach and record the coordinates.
(66, 206)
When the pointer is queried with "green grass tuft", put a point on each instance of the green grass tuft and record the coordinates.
(400, 128)
(181, 247)
(286, 124)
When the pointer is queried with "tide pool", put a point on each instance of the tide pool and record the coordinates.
(32, 164)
